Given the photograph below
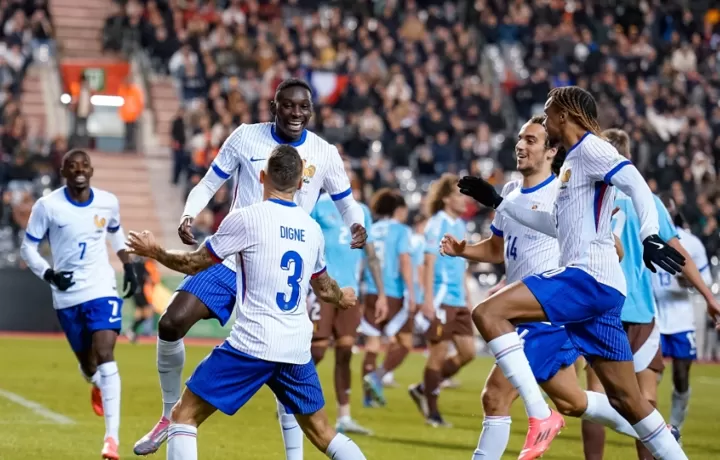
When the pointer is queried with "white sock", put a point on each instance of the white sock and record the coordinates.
(94, 379)
(182, 442)
(292, 434)
(600, 411)
(656, 436)
(170, 362)
(343, 448)
(511, 359)
(679, 408)
(493, 438)
(110, 389)
(388, 377)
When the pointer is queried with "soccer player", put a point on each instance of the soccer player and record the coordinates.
(211, 293)
(587, 292)
(639, 309)
(675, 316)
(550, 352)
(77, 219)
(279, 250)
(391, 238)
(344, 265)
(445, 302)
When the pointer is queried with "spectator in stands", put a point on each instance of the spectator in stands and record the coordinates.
(180, 156)
(81, 108)
(131, 110)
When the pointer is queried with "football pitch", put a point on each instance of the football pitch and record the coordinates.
(45, 412)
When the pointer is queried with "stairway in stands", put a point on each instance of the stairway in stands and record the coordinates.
(127, 176)
(32, 103)
(165, 101)
(78, 26)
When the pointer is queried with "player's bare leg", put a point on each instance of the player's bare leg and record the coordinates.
(187, 415)
(103, 347)
(183, 312)
(372, 387)
(431, 382)
(681, 391)
(593, 434)
(398, 349)
(88, 369)
(343, 379)
(318, 349)
(323, 436)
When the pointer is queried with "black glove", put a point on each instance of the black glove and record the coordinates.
(479, 190)
(62, 280)
(658, 252)
(130, 282)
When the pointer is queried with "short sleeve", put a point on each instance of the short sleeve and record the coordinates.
(228, 158)
(368, 222)
(114, 224)
(403, 240)
(601, 161)
(320, 266)
(38, 223)
(336, 181)
(699, 256)
(231, 237)
(433, 235)
(667, 228)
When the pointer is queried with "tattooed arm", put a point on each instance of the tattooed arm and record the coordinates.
(327, 290)
(373, 263)
(188, 262)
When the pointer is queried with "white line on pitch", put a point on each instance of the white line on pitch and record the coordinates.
(709, 380)
(37, 408)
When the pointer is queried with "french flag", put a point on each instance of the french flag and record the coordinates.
(327, 86)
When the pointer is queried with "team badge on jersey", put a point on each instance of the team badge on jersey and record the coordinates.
(99, 222)
(308, 172)
(565, 179)
(534, 207)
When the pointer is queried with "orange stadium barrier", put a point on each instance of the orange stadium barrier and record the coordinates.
(104, 77)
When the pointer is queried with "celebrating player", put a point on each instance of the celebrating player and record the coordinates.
(279, 248)
(445, 302)
(587, 292)
(676, 316)
(77, 219)
(391, 238)
(211, 293)
(550, 352)
(344, 265)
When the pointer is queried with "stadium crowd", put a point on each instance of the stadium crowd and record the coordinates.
(27, 162)
(402, 84)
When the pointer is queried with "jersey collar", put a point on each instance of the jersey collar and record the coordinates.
(79, 204)
(296, 143)
(571, 149)
(289, 204)
(538, 186)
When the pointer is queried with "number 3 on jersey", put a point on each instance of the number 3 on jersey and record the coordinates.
(291, 261)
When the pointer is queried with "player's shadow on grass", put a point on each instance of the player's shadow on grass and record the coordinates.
(435, 444)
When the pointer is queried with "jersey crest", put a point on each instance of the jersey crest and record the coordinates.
(308, 172)
(565, 178)
(99, 222)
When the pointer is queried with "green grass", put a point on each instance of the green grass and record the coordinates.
(44, 371)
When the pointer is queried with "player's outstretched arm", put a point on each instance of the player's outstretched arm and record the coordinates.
(327, 290)
(489, 250)
(188, 262)
(373, 263)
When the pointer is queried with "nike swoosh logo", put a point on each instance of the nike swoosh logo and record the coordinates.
(114, 320)
(253, 159)
(63, 226)
(660, 246)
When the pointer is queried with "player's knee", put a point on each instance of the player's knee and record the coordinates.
(104, 355)
(464, 357)
(317, 352)
(495, 401)
(171, 326)
(569, 407)
(343, 355)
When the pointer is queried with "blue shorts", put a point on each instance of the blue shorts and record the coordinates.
(228, 378)
(216, 287)
(680, 345)
(80, 321)
(589, 310)
(548, 349)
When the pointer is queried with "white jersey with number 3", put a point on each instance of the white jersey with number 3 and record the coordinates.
(278, 248)
(77, 233)
(675, 311)
(246, 151)
(527, 251)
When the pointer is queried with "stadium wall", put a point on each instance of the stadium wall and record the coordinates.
(26, 303)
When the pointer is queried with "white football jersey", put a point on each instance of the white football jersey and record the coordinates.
(527, 252)
(675, 312)
(278, 248)
(76, 233)
(583, 210)
(245, 154)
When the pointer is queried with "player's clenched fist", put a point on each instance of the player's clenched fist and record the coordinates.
(141, 243)
(359, 236)
(449, 246)
(185, 230)
(349, 299)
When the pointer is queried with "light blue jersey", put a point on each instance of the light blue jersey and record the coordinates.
(343, 263)
(640, 302)
(449, 284)
(417, 253)
(391, 239)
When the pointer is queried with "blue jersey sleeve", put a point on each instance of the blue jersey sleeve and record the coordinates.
(667, 228)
